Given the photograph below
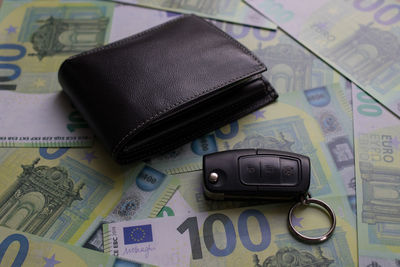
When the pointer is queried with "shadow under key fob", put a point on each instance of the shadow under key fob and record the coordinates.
(256, 174)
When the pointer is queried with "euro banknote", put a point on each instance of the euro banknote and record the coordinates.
(238, 237)
(234, 11)
(36, 37)
(66, 194)
(377, 153)
(22, 249)
(359, 38)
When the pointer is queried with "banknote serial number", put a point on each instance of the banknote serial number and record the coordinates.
(191, 225)
(114, 241)
(43, 138)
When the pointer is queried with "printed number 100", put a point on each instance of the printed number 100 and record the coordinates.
(192, 225)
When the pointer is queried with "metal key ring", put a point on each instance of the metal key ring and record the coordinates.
(306, 201)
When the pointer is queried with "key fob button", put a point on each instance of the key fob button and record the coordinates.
(249, 168)
(268, 170)
(289, 172)
(270, 173)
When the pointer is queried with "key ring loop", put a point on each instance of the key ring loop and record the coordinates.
(306, 200)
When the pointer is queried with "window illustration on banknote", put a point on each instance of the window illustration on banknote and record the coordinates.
(380, 208)
(39, 37)
(63, 30)
(289, 66)
(54, 33)
(369, 54)
(52, 201)
(67, 36)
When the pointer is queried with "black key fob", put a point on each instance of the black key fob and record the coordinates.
(256, 174)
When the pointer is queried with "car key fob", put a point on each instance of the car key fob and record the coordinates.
(264, 174)
(256, 174)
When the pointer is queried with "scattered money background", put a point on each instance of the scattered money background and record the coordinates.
(57, 201)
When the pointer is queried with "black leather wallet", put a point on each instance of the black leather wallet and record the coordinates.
(158, 89)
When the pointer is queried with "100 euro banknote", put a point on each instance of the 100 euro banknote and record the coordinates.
(237, 237)
(377, 152)
(65, 194)
(37, 36)
(359, 38)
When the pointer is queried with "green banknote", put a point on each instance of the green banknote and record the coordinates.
(66, 194)
(377, 152)
(227, 10)
(36, 37)
(22, 249)
(360, 38)
(251, 236)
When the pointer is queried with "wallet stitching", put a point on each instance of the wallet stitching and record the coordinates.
(270, 90)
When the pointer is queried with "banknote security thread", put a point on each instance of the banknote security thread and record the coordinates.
(263, 174)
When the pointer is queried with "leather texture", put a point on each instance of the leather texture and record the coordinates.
(158, 89)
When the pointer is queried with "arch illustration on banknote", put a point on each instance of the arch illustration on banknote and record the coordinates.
(35, 201)
(52, 201)
(289, 66)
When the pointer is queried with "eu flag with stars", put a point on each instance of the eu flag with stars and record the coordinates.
(138, 234)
